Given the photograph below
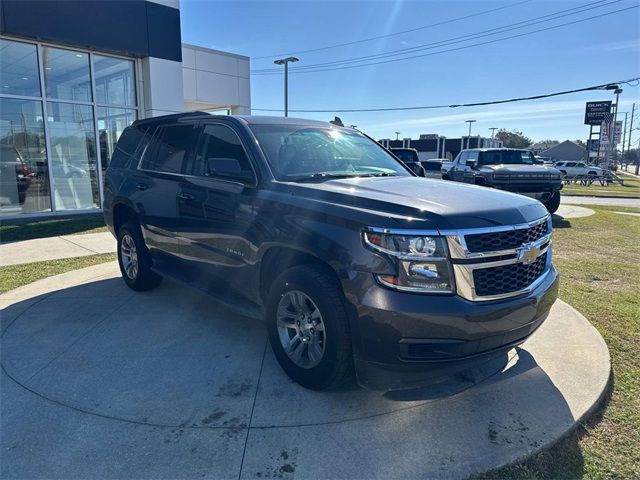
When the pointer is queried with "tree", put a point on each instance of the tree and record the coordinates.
(513, 139)
(580, 142)
(550, 142)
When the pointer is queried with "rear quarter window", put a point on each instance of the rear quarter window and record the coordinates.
(131, 142)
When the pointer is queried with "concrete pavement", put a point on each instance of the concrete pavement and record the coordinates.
(101, 382)
(583, 200)
(53, 248)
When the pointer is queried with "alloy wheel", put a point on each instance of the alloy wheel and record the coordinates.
(129, 256)
(301, 329)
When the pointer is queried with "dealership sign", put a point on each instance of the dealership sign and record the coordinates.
(595, 111)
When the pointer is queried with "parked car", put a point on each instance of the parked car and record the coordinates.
(409, 156)
(355, 264)
(579, 170)
(509, 169)
(433, 167)
(15, 176)
(445, 169)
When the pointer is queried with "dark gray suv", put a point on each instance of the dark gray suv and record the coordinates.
(357, 265)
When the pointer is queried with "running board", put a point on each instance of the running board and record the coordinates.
(230, 300)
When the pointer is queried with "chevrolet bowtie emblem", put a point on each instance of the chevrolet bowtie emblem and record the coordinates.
(528, 253)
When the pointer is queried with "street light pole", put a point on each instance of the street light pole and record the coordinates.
(469, 137)
(285, 62)
(397, 135)
(493, 131)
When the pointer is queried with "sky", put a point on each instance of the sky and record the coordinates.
(597, 51)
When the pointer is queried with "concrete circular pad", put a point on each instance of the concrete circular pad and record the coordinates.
(99, 380)
(573, 211)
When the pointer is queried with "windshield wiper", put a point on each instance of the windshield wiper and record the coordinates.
(320, 176)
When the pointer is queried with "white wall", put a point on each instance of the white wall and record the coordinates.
(161, 87)
(214, 80)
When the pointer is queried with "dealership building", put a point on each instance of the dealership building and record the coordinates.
(431, 146)
(74, 74)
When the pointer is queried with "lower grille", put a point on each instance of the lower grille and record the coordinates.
(508, 278)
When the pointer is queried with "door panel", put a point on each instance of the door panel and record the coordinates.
(217, 213)
(160, 174)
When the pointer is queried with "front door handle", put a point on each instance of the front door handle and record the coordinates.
(185, 196)
(142, 186)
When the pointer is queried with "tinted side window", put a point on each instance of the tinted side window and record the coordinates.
(221, 154)
(128, 144)
(462, 158)
(571, 164)
(170, 149)
(473, 156)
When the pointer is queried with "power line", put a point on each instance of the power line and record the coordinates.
(462, 47)
(602, 86)
(370, 39)
(458, 39)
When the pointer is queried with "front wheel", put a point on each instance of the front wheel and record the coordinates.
(553, 203)
(134, 259)
(308, 327)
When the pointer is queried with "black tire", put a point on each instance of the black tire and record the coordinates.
(336, 365)
(553, 203)
(144, 278)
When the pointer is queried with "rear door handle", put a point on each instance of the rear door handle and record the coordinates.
(185, 196)
(142, 186)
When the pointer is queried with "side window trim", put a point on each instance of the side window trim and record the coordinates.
(153, 143)
(202, 125)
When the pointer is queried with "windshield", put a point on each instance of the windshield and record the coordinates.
(511, 157)
(297, 152)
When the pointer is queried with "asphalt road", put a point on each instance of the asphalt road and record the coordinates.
(614, 202)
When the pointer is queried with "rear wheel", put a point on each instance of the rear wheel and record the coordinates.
(308, 327)
(553, 203)
(134, 259)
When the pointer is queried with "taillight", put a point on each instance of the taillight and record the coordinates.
(25, 169)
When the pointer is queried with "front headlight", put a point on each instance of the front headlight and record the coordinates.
(421, 260)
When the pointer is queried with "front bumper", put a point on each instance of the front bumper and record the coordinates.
(406, 340)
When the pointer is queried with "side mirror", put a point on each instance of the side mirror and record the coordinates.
(229, 169)
(472, 162)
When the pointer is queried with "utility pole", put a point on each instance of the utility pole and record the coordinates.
(397, 135)
(285, 62)
(493, 131)
(633, 109)
(469, 137)
(624, 136)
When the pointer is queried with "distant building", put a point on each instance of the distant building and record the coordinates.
(539, 147)
(567, 150)
(437, 146)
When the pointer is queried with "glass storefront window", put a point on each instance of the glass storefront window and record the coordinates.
(50, 151)
(24, 176)
(111, 123)
(73, 156)
(66, 74)
(114, 79)
(19, 69)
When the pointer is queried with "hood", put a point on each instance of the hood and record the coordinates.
(512, 168)
(413, 202)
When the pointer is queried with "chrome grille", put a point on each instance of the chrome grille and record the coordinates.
(505, 240)
(508, 278)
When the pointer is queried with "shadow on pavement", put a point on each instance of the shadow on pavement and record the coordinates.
(175, 363)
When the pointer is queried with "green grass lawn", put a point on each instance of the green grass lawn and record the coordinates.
(631, 188)
(599, 262)
(13, 231)
(14, 276)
